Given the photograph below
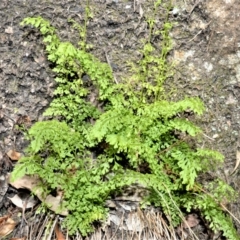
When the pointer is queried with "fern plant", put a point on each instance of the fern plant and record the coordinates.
(114, 135)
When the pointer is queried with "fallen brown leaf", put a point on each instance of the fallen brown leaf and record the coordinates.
(54, 203)
(237, 162)
(23, 120)
(33, 184)
(191, 220)
(6, 226)
(3, 219)
(23, 203)
(59, 234)
(9, 30)
(13, 155)
(39, 59)
(28, 182)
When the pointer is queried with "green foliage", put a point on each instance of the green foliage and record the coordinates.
(114, 135)
(211, 208)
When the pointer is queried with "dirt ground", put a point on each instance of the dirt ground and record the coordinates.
(206, 53)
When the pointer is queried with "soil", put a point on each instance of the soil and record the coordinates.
(206, 54)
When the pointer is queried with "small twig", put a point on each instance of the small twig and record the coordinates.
(193, 8)
(173, 145)
(52, 228)
(220, 204)
(195, 36)
(40, 231)
(199, 32)
(180, 212)
(118, 227)
(208, 137)
(109, 63)
(23, 211)
(230, 213)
